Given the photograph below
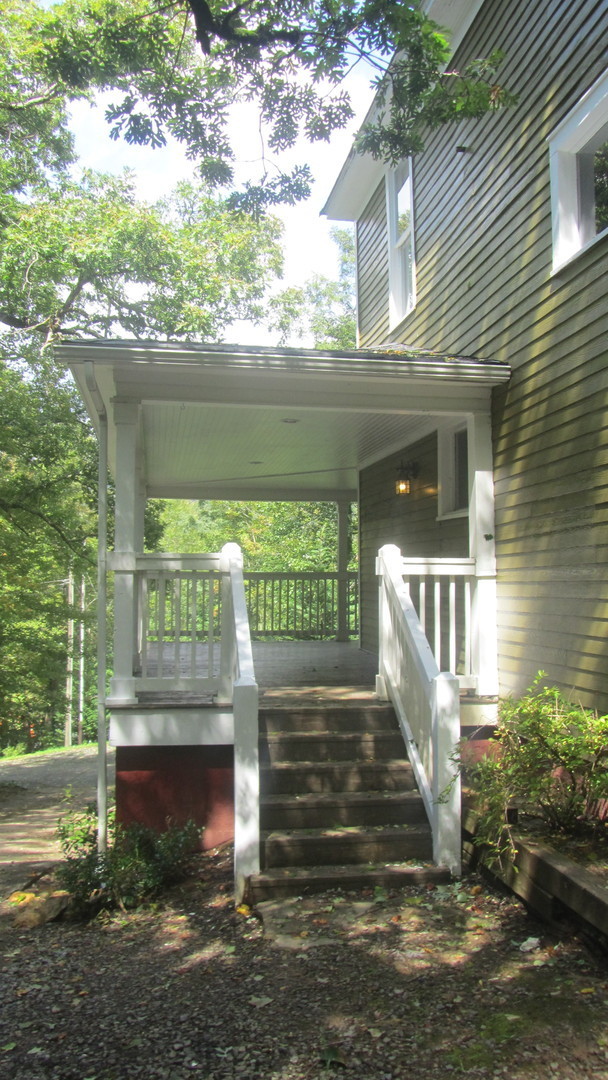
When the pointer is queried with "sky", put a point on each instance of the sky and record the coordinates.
(307, 242)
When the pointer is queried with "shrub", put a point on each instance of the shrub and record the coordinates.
(550, 761)
(138, 864)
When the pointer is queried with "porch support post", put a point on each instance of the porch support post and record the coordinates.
(343, 519)
(127, 534)
(482, 548)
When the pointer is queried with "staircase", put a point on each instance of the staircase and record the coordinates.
(338, 804)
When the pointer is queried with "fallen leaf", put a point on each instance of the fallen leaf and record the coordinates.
(259, 1002)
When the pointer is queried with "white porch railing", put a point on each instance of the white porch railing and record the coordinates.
(427, 705)
(175, 604)
(308, 605)
(441, 591)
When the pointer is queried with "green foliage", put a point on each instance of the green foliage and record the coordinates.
(177, 68)
(322, 309)
(550, 761)
(138, 864)
(273, 536)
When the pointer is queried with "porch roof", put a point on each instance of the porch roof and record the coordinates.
(242, 422)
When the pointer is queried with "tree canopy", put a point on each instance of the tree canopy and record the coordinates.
(177, 66)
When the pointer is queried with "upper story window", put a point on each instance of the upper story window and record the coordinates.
(401, 264)
(579, 175)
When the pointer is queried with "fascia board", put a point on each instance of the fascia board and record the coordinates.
(391, 361)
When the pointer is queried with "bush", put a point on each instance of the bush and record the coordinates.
(550, 761)
(138, 864)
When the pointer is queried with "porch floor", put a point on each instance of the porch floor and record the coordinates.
(311, 670)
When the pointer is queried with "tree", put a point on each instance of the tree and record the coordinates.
(177, 66)
(322, 309)
(273, 535)
(88, 258)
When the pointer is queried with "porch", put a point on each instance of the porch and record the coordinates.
(215, 422)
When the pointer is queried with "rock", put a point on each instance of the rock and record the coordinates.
(36, 910)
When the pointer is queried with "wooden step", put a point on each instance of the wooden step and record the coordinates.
(334, 718)
(295, 881)
(312, 810)
(285, 777)
(313, 746)
(344, 846)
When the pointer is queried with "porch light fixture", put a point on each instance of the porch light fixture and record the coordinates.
(405, 474)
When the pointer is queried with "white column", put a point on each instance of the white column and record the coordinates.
(482, 548)
(343, 518)
(127, 534)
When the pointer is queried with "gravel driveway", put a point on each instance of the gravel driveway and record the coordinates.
(32, 797)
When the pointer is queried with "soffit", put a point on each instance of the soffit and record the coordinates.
(207, 414)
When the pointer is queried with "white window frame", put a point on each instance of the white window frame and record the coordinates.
(571, 148)
(446, 466)
(401, 249)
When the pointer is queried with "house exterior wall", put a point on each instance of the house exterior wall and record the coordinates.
(485, 288)
(409, 521)
(372, 274)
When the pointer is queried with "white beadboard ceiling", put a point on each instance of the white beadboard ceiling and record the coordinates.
(232, 422)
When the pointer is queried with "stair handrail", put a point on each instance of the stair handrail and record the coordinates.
(238, 684)
(427, 704)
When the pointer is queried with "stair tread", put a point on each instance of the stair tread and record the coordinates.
(331, 798)
(351, 869)
(356, 832)
(342, 763)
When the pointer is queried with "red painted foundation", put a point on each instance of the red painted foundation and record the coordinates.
(170, 785)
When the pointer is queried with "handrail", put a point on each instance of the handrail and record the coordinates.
(237, 682)
(427, 704)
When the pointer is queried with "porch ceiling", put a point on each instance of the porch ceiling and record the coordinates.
(236, 422)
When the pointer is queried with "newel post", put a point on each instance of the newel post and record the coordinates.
(229, 553)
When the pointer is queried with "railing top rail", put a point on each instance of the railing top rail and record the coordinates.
(132, 562)
(301, 575)
(438, 567)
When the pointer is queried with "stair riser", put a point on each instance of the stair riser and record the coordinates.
(323, 817)
(335, 778)
(330, 850)
(298, 883)
(277, 720)
(364, 747)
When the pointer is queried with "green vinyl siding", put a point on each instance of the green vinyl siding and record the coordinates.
(372, 271)
(485, 288)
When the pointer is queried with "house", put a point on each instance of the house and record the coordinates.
(487, 258)
(505, 255)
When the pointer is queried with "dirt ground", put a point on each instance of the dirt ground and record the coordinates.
(419, 983)
(34, 791)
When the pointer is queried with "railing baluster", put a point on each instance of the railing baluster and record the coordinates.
(144, 623)
(437, 619)
(452, 621)
(177, 623)
(467, 626)
(211, 585)
(161, 624)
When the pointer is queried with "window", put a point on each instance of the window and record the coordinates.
(579, 175)
(453, 460)
(400, 217)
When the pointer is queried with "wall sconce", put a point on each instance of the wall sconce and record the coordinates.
(405, 474)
